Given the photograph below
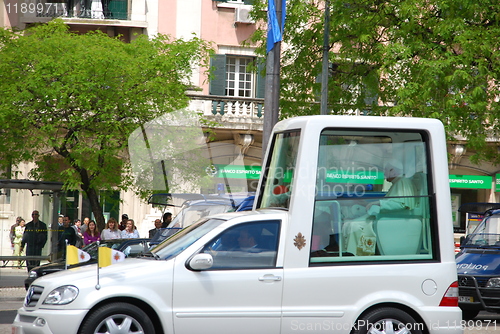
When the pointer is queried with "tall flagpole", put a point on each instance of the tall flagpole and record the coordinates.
(324, 71)
(272, 94)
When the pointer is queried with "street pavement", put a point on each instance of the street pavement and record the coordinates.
(12, 293)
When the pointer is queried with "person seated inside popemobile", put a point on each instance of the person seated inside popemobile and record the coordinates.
(357, 229)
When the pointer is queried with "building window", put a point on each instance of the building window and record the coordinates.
(239, 79)
(237, 76)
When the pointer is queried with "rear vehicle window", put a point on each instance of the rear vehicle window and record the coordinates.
(486, 234)
(373, 197)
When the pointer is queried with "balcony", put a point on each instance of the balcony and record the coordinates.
(131, 13)
(230, 112)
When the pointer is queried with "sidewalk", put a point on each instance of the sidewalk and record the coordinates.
(11, 294)
(12, 287)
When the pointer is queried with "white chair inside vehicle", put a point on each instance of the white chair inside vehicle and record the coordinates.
(398, 235)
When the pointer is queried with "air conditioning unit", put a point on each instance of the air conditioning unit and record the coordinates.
(242, 14)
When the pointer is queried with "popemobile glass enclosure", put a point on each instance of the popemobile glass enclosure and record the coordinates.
(372, 196)
(372, 191)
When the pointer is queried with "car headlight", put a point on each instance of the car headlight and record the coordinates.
(33, 274)
(62, 295)
(493, 282)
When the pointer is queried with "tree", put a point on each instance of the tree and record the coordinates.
(437, 59)
(70, 101)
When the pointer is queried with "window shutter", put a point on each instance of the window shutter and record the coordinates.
(261, 78)
(218, 80)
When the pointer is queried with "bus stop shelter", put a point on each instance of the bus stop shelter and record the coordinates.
(14, 193)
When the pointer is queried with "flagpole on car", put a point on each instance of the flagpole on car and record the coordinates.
(66, 255)
(97, 286)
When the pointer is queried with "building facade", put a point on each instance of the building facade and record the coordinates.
(232, 98)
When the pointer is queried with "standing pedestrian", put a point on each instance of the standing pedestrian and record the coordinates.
(79, 234)
(167, 219)
(12, 231)
(18, 238)
(85, 224)
(130, 230)
(67, 237)
(34, 239)
(111, 231)
(157, 228)
(123, 223)
(91, 234)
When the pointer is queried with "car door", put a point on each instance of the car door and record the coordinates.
(241, 292)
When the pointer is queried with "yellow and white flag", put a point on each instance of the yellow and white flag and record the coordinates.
(108, 256)
(75, 255)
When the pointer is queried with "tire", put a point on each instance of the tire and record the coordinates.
(469, 314)
(387, 320)
(117, 318)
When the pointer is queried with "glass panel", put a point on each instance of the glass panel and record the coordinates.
(238, 75)
(279, 174)
(249, 245)
(486, 235)
(372, 197)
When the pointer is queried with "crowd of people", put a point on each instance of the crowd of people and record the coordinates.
(28, 239)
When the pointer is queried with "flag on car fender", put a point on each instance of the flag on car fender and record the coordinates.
(75, 255)
(108, 256)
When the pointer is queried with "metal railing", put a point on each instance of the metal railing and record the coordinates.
(13, 259)
(86, 9)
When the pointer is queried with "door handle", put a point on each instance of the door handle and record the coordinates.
(267, 278)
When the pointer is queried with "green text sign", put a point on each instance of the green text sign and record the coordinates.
(471, 181)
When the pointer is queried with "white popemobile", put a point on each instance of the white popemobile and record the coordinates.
(328, 247)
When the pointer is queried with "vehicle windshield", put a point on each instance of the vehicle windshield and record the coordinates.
(184, 238)
(193, 213)
(277, 187)
(486, 234)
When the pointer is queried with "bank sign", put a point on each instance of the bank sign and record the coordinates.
(361, 177)
(237, 172)
(471, 181)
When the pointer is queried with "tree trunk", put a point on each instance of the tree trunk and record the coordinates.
(96, 207)
(93, 196)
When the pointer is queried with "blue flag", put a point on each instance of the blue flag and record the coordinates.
(274, 31)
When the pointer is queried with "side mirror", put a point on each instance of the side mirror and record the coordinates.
(462, 239)
(201, 261)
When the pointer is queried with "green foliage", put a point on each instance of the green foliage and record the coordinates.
(70, 101)
(437, 59)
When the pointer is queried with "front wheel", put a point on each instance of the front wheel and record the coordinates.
(387, 320)
(118, 318)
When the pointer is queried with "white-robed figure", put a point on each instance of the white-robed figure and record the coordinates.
(359, 237)
(401, 195)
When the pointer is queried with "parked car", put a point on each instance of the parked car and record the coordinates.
(478, 264)
(197, 206)
(131, 248)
